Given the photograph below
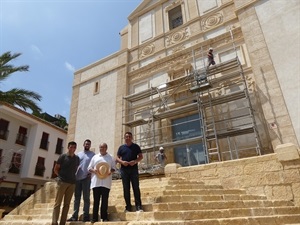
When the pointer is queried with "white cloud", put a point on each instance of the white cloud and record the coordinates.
(69, 67)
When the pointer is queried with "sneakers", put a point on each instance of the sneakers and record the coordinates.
(126, 211)
(71, 219)
(139, 209)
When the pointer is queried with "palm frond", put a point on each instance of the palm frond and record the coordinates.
(22, 98)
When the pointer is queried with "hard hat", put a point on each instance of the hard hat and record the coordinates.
(210, 49)
(161, 148)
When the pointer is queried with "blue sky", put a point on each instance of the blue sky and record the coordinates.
(56, 38)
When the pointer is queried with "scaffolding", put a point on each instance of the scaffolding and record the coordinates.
(216, 102)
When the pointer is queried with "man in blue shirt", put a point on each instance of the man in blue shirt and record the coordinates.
(128, 156)
(83, 182)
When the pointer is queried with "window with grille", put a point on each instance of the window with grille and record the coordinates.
(15, 163)
(40, 167)
(44, 141)
(21, 136)
(4, 129)
(175, 17)
(59, 146)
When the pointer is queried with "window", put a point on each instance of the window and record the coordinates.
(21, 136)
(185, 128)
(15, 163)
(8, 189)
(53, 174)
(59, 146)
(44, 142)
(27, 190)
(175, 17)
(40, 167)
(3, 129)
(96, 87)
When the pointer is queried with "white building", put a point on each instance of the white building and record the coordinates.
(29, 148)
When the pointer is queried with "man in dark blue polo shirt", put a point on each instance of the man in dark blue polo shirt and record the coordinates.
(128, 156)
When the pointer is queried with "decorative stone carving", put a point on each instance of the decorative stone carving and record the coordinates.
(173, 5)
(152, 69)
(177, 36)
(148, 50)
(212, 21)
(178, 48)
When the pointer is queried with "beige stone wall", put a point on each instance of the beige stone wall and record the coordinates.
(272, 175)
(205, 25)
(269, 85)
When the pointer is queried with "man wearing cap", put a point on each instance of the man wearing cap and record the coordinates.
(101, 166)
(129, 155)
(161, 158)
(83, 183)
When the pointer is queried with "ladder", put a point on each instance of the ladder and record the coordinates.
(209, 126)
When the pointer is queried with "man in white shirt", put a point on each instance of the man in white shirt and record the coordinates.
(101, 181)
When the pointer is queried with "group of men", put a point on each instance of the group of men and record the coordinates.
(79, 173)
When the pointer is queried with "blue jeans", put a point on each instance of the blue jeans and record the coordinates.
(103, 193)
(82, 186)
(131, 176)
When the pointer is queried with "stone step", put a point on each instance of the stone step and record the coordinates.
(192, 198)
(47, 208)
(254, 220)
(180, 214)
(204, 191)
(178, 206)
(119, 200)
(207, 214)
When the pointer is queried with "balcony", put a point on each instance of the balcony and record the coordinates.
(21, 139)
(44, 145)
(4, 134)
(59, 149)
(39, 170)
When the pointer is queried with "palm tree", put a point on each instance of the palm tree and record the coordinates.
(16, 96)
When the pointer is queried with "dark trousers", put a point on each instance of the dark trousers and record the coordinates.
(131, 176)
(97, 193)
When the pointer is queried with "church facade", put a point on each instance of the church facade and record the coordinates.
(160, 87)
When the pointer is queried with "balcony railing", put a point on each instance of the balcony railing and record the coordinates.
(14, 169)
(39, 170)
(21, 139)
(44, 144)
(4, 134)
(59, 149)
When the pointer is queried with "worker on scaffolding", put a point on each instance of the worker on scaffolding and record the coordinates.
(210, 57)
(161, 157)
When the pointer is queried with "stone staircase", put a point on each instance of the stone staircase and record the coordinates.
(167, 201)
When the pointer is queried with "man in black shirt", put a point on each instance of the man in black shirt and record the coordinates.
(128, 156)
(65, 169)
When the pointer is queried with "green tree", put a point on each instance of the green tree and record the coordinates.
(16, 96)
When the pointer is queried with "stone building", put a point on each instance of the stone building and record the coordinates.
(158, 85)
